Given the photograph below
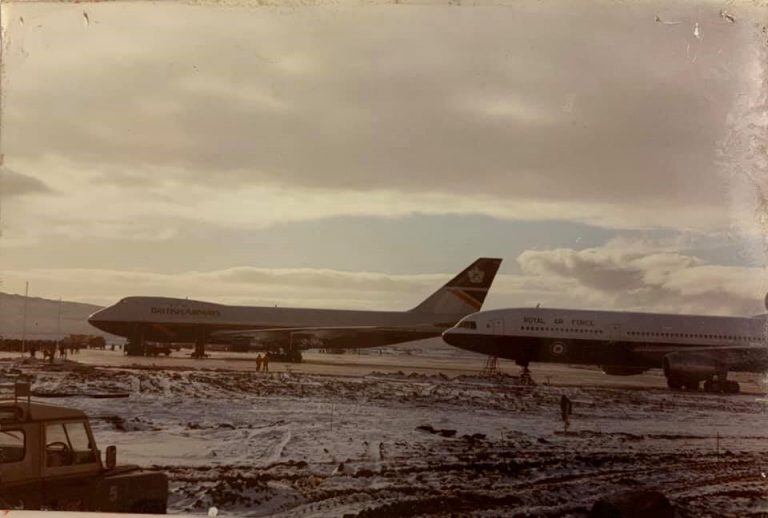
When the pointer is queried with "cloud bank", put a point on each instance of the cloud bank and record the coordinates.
(619, 276)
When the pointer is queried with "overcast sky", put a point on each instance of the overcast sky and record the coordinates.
(356, 156)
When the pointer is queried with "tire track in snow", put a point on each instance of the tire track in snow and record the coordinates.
(278, 451)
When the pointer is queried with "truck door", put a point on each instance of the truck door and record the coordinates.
(70, 467)
(20, 486)
(615, 333)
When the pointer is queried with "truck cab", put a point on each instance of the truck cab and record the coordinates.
(49, 461)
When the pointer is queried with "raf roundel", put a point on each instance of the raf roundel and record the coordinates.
(558, 348)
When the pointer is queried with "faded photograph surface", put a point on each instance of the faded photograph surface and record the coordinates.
(384, 259)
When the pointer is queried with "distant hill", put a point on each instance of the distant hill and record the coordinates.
(43, 316)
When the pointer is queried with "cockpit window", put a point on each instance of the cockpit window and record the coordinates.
(468, 324)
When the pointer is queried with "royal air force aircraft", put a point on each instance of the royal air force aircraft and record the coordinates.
(160, 319)
(689, 348)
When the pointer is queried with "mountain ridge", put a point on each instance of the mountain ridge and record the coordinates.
(43, 321)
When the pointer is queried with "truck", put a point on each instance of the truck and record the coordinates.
(49, 461)
(149, 349)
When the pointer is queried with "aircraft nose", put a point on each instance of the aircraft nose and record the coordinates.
(454, 337)
(98, 318)
(95, 316)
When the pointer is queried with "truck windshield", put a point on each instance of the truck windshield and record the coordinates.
(67, 445)
(81, 444)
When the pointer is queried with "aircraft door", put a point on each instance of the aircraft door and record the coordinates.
(615, 332)
(497, 326)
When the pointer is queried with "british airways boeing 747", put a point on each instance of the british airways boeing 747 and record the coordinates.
(163, 319)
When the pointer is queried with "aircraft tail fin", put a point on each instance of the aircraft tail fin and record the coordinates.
(465, 293)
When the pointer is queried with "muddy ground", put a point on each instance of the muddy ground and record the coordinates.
(410, 445)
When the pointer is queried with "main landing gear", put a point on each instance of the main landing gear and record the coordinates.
(714, 385)
(199, 350)
(721, 386)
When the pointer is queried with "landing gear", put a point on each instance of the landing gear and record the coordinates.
(714, 385)
(674, 383)
(721, 386)
(681, 384)
(199, 351)
(200, 340)
(691, 386)
(526, 378)
(525, 374)
(136, 345)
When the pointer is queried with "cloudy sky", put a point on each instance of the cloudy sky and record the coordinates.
(357, 155)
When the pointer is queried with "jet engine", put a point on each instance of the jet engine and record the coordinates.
(693, 367)
(621, 370)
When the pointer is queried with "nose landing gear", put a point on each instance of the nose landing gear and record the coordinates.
(525, 374)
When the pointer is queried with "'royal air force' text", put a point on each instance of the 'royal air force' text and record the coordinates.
(576, 322)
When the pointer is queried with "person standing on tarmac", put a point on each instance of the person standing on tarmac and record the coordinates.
(266, 363)
(566, 409)
(258, 363)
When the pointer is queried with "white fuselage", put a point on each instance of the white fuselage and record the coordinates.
(600, 337)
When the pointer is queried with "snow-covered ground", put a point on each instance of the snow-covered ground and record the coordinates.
(386, 444)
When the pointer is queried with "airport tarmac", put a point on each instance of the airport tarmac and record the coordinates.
(440, 359)
(390, 443)
(396, 434)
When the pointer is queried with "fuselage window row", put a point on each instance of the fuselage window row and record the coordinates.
(691, 335)
(590, 331)
(644, 333)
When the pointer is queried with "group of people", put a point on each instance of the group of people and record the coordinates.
(262, 363)
(49, 350)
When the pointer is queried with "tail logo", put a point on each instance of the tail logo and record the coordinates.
(476, 275)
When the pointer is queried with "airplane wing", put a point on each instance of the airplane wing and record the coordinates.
(731, 355)
(330, 337)
(703, 348)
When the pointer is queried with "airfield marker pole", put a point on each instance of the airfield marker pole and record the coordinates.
(58, 327)
(717, 444)
(24, 321)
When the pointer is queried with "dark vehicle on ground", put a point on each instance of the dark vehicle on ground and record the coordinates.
(148, 349)
(157, 349)
(49, 460)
